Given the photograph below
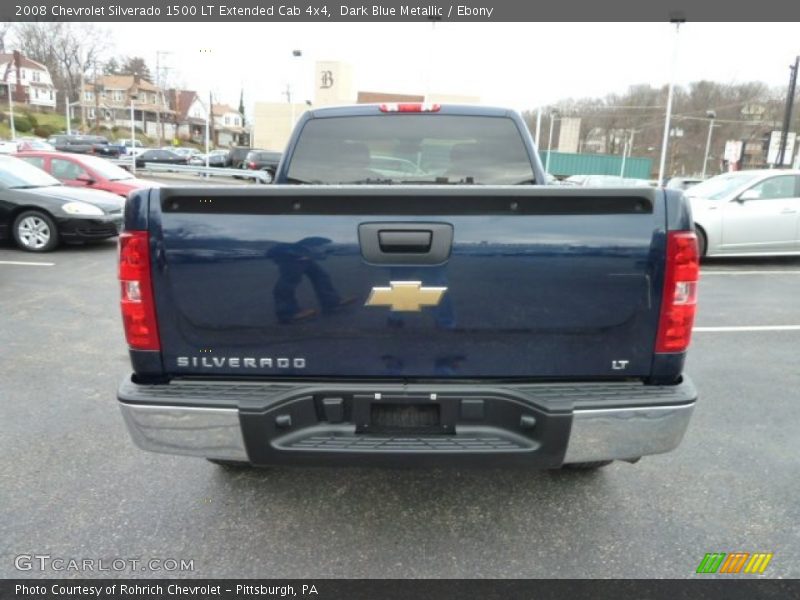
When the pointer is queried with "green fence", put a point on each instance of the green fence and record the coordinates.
(564, 164)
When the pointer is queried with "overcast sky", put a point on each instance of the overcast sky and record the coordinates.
(521, 65)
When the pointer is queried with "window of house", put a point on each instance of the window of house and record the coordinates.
(118, 97)
(51, 94)
(36, 76)
(91, 113)
(227, 120)
(24, 76)
(88, 95)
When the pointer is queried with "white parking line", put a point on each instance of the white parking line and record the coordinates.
(750, 272)
(749, 328)
(26, 264)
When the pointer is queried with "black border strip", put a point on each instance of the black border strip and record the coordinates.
(730, 588)
(393, 11)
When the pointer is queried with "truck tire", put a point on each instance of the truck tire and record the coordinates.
(587, 466)
(35, 231)
(230, 464)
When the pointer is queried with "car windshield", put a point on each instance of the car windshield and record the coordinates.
(415, 148)
(18, 174)
(106, 169)
(721, 186)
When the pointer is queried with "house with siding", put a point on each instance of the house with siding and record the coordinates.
(30, 81)
(107, 101)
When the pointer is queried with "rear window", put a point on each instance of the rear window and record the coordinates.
(419, 148)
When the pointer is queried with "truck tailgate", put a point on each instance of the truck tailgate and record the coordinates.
(408, 281)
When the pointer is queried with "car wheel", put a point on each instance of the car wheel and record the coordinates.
(230, 464)
(35, 231)
(702, 242)
(587, 466)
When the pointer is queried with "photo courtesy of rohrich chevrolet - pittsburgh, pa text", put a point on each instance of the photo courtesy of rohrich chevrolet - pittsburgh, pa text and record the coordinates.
(399, 300)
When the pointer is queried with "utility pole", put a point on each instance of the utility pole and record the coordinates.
(787, 116)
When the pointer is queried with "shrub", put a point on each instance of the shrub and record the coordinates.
(22, 124)
(45, 131)
(31, 119)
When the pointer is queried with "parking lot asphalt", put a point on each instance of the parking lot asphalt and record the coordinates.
(73, 486)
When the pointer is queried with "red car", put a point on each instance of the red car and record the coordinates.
(81, 170)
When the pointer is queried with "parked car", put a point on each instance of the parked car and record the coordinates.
(167, 157)
(83, 144)
(78, 170)
(33, 144)
(126, 147)
(748, 212)
(237, 155)
(182, 150)
(682, 183)
(38, 212)
(262, 160)
(216, 158)
(607, 181)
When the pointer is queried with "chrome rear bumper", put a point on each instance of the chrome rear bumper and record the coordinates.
(626, 432)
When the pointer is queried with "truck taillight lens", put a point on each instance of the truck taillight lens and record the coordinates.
(410, 107)
(138, 307)
(680, 292)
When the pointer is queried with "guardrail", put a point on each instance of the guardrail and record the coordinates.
(260, 176)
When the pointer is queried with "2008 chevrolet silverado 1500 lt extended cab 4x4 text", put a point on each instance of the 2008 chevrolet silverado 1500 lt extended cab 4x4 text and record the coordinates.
(407, 294)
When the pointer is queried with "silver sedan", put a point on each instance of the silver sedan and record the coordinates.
(748, 213)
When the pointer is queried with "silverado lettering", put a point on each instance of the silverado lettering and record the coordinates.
(237, 362)
(408, 291)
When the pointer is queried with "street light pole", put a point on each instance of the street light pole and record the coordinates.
(550, 142)
(538, 128)
(133, 138)
(711, 116)
(670, 91)
(624, 156)
(295, 54)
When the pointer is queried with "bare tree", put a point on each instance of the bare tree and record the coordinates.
(68, 50)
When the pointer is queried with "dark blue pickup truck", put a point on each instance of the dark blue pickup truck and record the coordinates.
(407, 293)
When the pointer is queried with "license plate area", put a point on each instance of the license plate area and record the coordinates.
(378, 414)
(404, 417)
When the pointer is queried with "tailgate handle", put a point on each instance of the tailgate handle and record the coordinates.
(397, 243)
(405, 241)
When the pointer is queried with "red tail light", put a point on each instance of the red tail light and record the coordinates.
(252, 166)
(410, 107)
(138, 307)
(679, 304)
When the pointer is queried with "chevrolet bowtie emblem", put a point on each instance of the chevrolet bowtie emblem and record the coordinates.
(405, 296)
